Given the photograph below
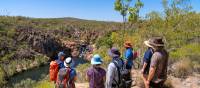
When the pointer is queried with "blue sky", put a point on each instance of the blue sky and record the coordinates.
(85, 9)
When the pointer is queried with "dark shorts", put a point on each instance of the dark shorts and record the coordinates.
(156, 85)
(146, 72)
(128, 67)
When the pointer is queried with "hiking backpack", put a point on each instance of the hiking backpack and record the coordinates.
(124, 76)
(135, 55)
(63, 79)
(53, 71)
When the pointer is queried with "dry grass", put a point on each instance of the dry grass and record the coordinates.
(168, 84)
(183, 68)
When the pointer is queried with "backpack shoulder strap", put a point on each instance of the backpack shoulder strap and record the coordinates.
(67, 77)
(118, 71)
(68, 71)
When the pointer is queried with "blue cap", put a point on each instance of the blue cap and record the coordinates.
(96, 59)
(61, 54)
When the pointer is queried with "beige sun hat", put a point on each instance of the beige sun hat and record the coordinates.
(156, 41)
(147, 43)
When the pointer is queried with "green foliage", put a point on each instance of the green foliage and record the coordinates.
(178, 26)
(28, 83)
(41, 59)
(123, 6)
(103, 52)
(7, 56)
(45, 83)
(176, 7)
(104, 41)
(11, 33)
(187, 51)
(81, 70)
(16, 66)
(2, 76)
(118, 5)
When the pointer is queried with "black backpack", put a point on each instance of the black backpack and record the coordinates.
(124, 76)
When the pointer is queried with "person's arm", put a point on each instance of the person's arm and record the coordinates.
(74, 75)
(104, 78)
(110, 76)
(146, 60)
(143, 67)
(127, 56)
(88, 74)
(151, 73)
(153, 66)
(75, 78)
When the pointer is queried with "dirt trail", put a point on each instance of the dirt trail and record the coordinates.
(82, 85)
(190, 82)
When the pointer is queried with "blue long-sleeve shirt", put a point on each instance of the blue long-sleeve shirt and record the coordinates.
(129, 56)
(60, 63)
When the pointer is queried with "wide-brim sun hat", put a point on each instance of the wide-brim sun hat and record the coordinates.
(67, 61)
(96, 59)
(127, 44)
(114, 52)
(147, 43)
(156, 41)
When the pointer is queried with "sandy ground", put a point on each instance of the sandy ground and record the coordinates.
(190, 82)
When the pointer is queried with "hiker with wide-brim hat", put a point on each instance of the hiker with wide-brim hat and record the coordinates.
(129, 59)
(155, 42)
(158, 66)
(146, 60)
(128, 55)
(96, 75)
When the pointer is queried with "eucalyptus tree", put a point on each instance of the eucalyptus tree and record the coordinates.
(127, 11)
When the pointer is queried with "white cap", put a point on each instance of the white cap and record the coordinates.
(67, 61)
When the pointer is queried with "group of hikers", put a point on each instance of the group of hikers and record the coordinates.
(118, 73)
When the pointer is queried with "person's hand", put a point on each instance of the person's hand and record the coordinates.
(142, 71)
(126, 62)
(147, 84)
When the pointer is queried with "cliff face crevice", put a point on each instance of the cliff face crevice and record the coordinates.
(41, 41)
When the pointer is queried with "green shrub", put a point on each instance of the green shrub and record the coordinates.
(44, 83)
(7, 56)
(103, 52)
(104, 41)
(2, 77)
(41, 59)
(28, 83)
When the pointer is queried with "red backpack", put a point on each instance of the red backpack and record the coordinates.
(63, 79)
(135, 55)
(53, 71)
